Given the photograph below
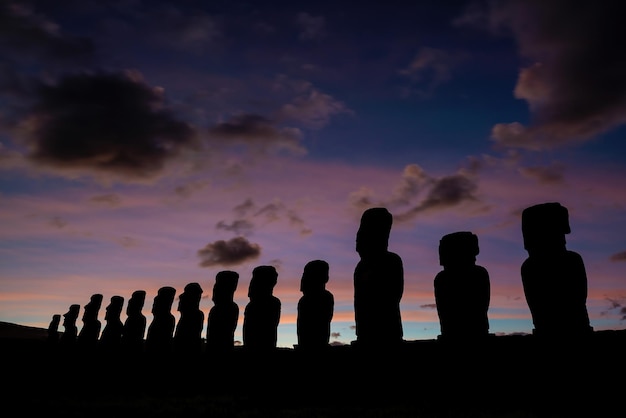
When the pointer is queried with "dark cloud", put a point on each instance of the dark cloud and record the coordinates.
(187, 190)
(446, 192)
(127, 242)
(228, 253)
(430, 68)
(546, 175)
(619, 257)
(429, 306)
(243, 208)
(311, 27)
(249, 214)
(238, 226)
(615, 306)
(106, 122)
(257, 132)
(312, 108)
(58, 222)
(297, 222)
(422, 193)
(25, 31)
(108, 199)
(574, 84)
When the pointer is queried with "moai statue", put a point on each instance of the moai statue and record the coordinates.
(462, 288)
(90, 332)
(161, 329)
(135, 324)
(378, 283)
(53, 330)
(188, 332)
(262, 313)
(70, 333)
(111, 337)
(554, 278)
(224, 315)
(315, 307)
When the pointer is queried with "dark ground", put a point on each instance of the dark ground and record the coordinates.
(508, 376)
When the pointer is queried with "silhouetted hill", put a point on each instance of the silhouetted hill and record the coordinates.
(10, 330)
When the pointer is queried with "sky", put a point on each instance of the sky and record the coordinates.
(155, 143)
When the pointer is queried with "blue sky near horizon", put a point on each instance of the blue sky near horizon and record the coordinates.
(140, 141)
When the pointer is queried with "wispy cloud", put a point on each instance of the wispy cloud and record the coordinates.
(618, 257)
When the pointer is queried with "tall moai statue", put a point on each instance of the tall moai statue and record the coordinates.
(224, 315)
(315, 307)
(378, 283)
(262, 313)
(188, 332)
(111, 337)
(70, 330)
(554, 278)
(161, 329)
(135, 325)
(462, 288)
(90, 332)
(53, 330)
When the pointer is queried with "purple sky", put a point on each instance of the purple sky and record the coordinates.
(155, 143)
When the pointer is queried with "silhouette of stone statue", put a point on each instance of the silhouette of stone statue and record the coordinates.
(224, 315)
(462, 288)
(90, 332)
(188, 333)
(315, 307)
(161, 329)
(135, 324)
(70, 333)
(378, 283)
(262, 313)
(53, 329)
(111, 337)
(554, 278)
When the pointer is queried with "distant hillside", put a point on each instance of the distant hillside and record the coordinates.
(9, 330)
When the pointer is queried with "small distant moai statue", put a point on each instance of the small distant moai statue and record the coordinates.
(462, 288)
(554, 278)
(315, 307)
(135, 324)
(262, 313)
(111, 337)
(378, 283)
(90, 332)
(70, 333)
(224, 315)
(161, 329)
(53, 330)
(188, 332)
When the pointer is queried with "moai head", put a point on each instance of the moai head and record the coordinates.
(136, 302)
(189, 300)
(314, 276)
(92, 308)
(54, 323)
(544, 227)
(458, 249)
(373, 235)
(114, 310)
(163, 300)
(264, 278)
(225, 285)
(70, 317)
